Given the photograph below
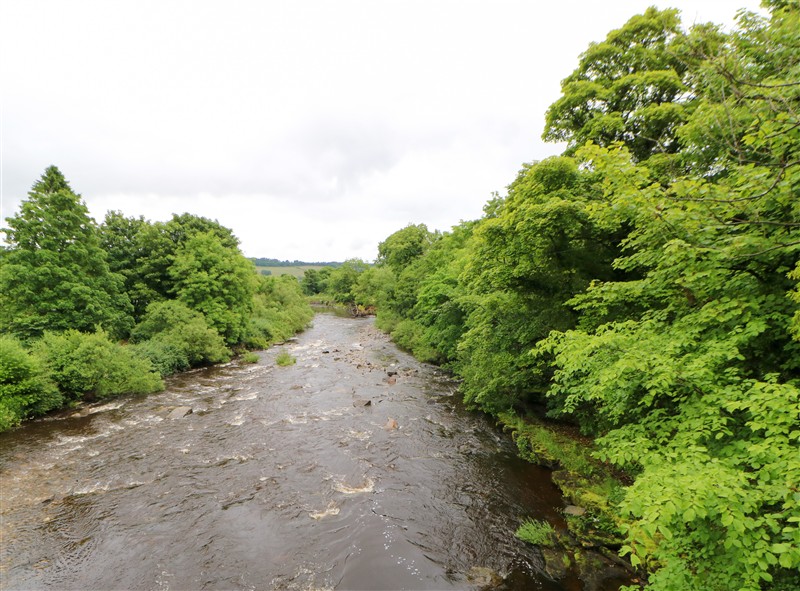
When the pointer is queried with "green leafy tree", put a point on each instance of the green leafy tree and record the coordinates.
(342, 281)
(144, 252)
(211, 277)
(630, 88)
(538, 250)
(315, 281)
(55, 275)
(402, 247)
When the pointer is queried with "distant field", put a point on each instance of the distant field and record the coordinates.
(295, 271)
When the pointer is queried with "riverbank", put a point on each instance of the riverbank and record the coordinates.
(589, 486)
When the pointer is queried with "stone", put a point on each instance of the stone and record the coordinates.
(362, 402)
(179, 412)
(574, 510)
(484, 578)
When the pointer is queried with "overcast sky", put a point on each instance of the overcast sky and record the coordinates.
(312, 128)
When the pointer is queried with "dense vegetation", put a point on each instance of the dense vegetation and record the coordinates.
(644, 287)
(88, 311)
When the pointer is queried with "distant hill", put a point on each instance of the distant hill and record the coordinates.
(262, 262)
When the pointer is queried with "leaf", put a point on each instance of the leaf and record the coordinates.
(727, 519)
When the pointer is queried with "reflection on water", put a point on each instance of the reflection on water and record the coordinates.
(281, 478)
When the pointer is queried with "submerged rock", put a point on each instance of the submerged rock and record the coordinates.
(362, 402)
(390, 425)
(556, 563)
(179, 412)
(484, 578)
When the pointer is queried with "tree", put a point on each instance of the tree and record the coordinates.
(400, 248)
(55, 275)
(630, 88)
(342, 281)
(143, 252)
(315, 281)
(212, 277)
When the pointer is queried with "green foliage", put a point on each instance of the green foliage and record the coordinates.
(144, 252)
(690, 370)
(285, 359)
(342, 281)
(89, 364)
(315, 281)
(25, 390)
(645, 290)
(279, 311)
(217, 280)
(55, 275)
(629, 88)
(402, 247)
(67, 287)
(250, 357)
(538, 533)
(175, 337)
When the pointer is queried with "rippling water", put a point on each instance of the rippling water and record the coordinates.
(281, 478)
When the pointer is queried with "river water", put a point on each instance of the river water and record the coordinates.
(281, 478)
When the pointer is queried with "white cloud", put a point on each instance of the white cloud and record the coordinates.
(312, 128)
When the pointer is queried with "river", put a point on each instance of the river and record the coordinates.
(280, 478)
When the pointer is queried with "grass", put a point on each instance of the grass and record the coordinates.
(284, 358)
(250, 357)
(538, 533)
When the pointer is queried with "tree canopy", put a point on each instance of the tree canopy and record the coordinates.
(55, 275)
(645, 287)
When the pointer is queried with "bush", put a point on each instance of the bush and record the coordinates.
(167, 358)
(279, 311)
(174, 338)
(25, 390)
(250, 357)
(84, 364)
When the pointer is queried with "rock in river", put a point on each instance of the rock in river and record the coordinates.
(179, 412)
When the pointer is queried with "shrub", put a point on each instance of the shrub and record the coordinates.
(174, 338)
(167, 358)
(25, 390)
(90, 364)
(279, 311)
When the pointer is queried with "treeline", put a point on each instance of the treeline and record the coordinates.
(88, 311)
(262, 262)
(644, 286)
(343, 284)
